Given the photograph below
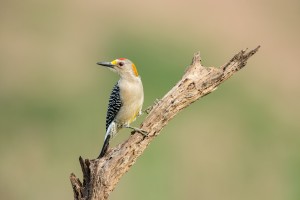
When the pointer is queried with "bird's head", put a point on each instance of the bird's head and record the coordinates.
(123, 66)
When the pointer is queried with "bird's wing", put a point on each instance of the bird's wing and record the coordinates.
(114, 105)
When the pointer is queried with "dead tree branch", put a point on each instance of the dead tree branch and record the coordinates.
(100, 176)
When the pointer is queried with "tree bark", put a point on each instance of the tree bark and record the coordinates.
(100, 176)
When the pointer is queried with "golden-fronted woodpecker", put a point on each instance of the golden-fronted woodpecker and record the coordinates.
(126, 99)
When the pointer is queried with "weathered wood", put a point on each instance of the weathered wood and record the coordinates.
(100, 176)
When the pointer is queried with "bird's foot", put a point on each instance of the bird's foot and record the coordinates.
(144, 133)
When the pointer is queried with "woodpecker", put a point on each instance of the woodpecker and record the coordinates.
(126, 99)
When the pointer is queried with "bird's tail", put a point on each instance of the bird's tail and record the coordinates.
(105, 146)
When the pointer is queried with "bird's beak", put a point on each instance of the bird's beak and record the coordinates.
(106, 64)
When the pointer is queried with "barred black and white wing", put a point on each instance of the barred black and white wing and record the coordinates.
(114, 105)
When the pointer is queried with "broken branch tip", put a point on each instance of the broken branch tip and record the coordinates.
(196, 58)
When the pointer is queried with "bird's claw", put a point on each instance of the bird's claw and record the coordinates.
(144, 133)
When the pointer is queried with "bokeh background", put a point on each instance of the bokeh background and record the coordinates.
(240, 142)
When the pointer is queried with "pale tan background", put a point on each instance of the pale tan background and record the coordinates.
(240, 142)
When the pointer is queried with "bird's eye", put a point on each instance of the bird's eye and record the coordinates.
(121, 64)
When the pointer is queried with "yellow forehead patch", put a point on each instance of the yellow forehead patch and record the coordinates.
(114, 62)
(134, 70)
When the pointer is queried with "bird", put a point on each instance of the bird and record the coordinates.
(125, 101)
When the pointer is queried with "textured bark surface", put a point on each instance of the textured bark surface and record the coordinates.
(100, 176)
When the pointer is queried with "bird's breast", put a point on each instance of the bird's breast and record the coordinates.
(132, 97)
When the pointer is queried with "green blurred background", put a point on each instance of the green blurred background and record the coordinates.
(240, 142)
